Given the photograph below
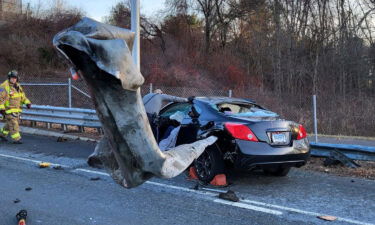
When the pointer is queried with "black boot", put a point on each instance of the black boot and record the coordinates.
(17, 142)
(3, 139)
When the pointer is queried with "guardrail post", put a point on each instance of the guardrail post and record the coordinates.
(70, 92)
(81, 129)
(230, 93)
(315, 119)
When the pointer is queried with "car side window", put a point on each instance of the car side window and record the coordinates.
(180, 107)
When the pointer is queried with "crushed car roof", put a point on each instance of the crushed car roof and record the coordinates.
(218, 100)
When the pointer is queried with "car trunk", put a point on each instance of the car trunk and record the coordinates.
(274, 132)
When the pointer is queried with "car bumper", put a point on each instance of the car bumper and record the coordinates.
(253, 154)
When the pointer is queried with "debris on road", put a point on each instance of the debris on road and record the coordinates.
(337, 158)
(28, 189)
(230, 196)
(17, 201)
(44, 165)
(195, 187)
(62, 139)
(367, 169)
(21, 217)
(58, 167)
(328, 218)
(95, 178)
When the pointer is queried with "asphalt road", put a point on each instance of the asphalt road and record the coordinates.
(69, 196)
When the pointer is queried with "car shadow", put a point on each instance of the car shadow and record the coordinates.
(255, 177)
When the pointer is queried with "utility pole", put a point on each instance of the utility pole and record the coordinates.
(135, 24)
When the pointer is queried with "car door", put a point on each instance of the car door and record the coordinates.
(189, 126)
(171, 109)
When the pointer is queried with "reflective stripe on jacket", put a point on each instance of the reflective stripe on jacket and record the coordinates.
(12, 97)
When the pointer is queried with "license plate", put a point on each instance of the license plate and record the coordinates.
(279, 138)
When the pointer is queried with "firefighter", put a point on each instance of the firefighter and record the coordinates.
(12, 97)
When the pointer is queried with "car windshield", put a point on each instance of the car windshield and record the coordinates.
(243, 110)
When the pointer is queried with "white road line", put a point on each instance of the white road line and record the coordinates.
(304, 212)
(19, 158)
(247, 206)
(93, 171)
(30, 160)
(245, 203)
(214, 190)
(292, 209)
(180, 188)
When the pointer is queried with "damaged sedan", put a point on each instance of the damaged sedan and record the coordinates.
(249, 136)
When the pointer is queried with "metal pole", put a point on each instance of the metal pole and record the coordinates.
(315, 119)
(230, 93)
(135, 5)
(70, 92)
(151, 88)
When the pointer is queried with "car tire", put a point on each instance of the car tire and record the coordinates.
(279, 171)
(209, 164)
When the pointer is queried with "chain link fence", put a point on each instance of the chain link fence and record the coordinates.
(334, 119)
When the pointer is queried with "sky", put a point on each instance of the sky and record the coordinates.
(98, 9)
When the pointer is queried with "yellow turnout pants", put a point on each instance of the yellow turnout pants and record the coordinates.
(11, 127)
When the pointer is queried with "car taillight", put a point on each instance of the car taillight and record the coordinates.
(240, 131)
(301, 132)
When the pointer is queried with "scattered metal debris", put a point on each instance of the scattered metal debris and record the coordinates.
(28, 189)
(44, 164)
(230, 196)
(95, 178)
(58, 167)
(327, 218)
(17, 200)
(196, 186)
(62, 139)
